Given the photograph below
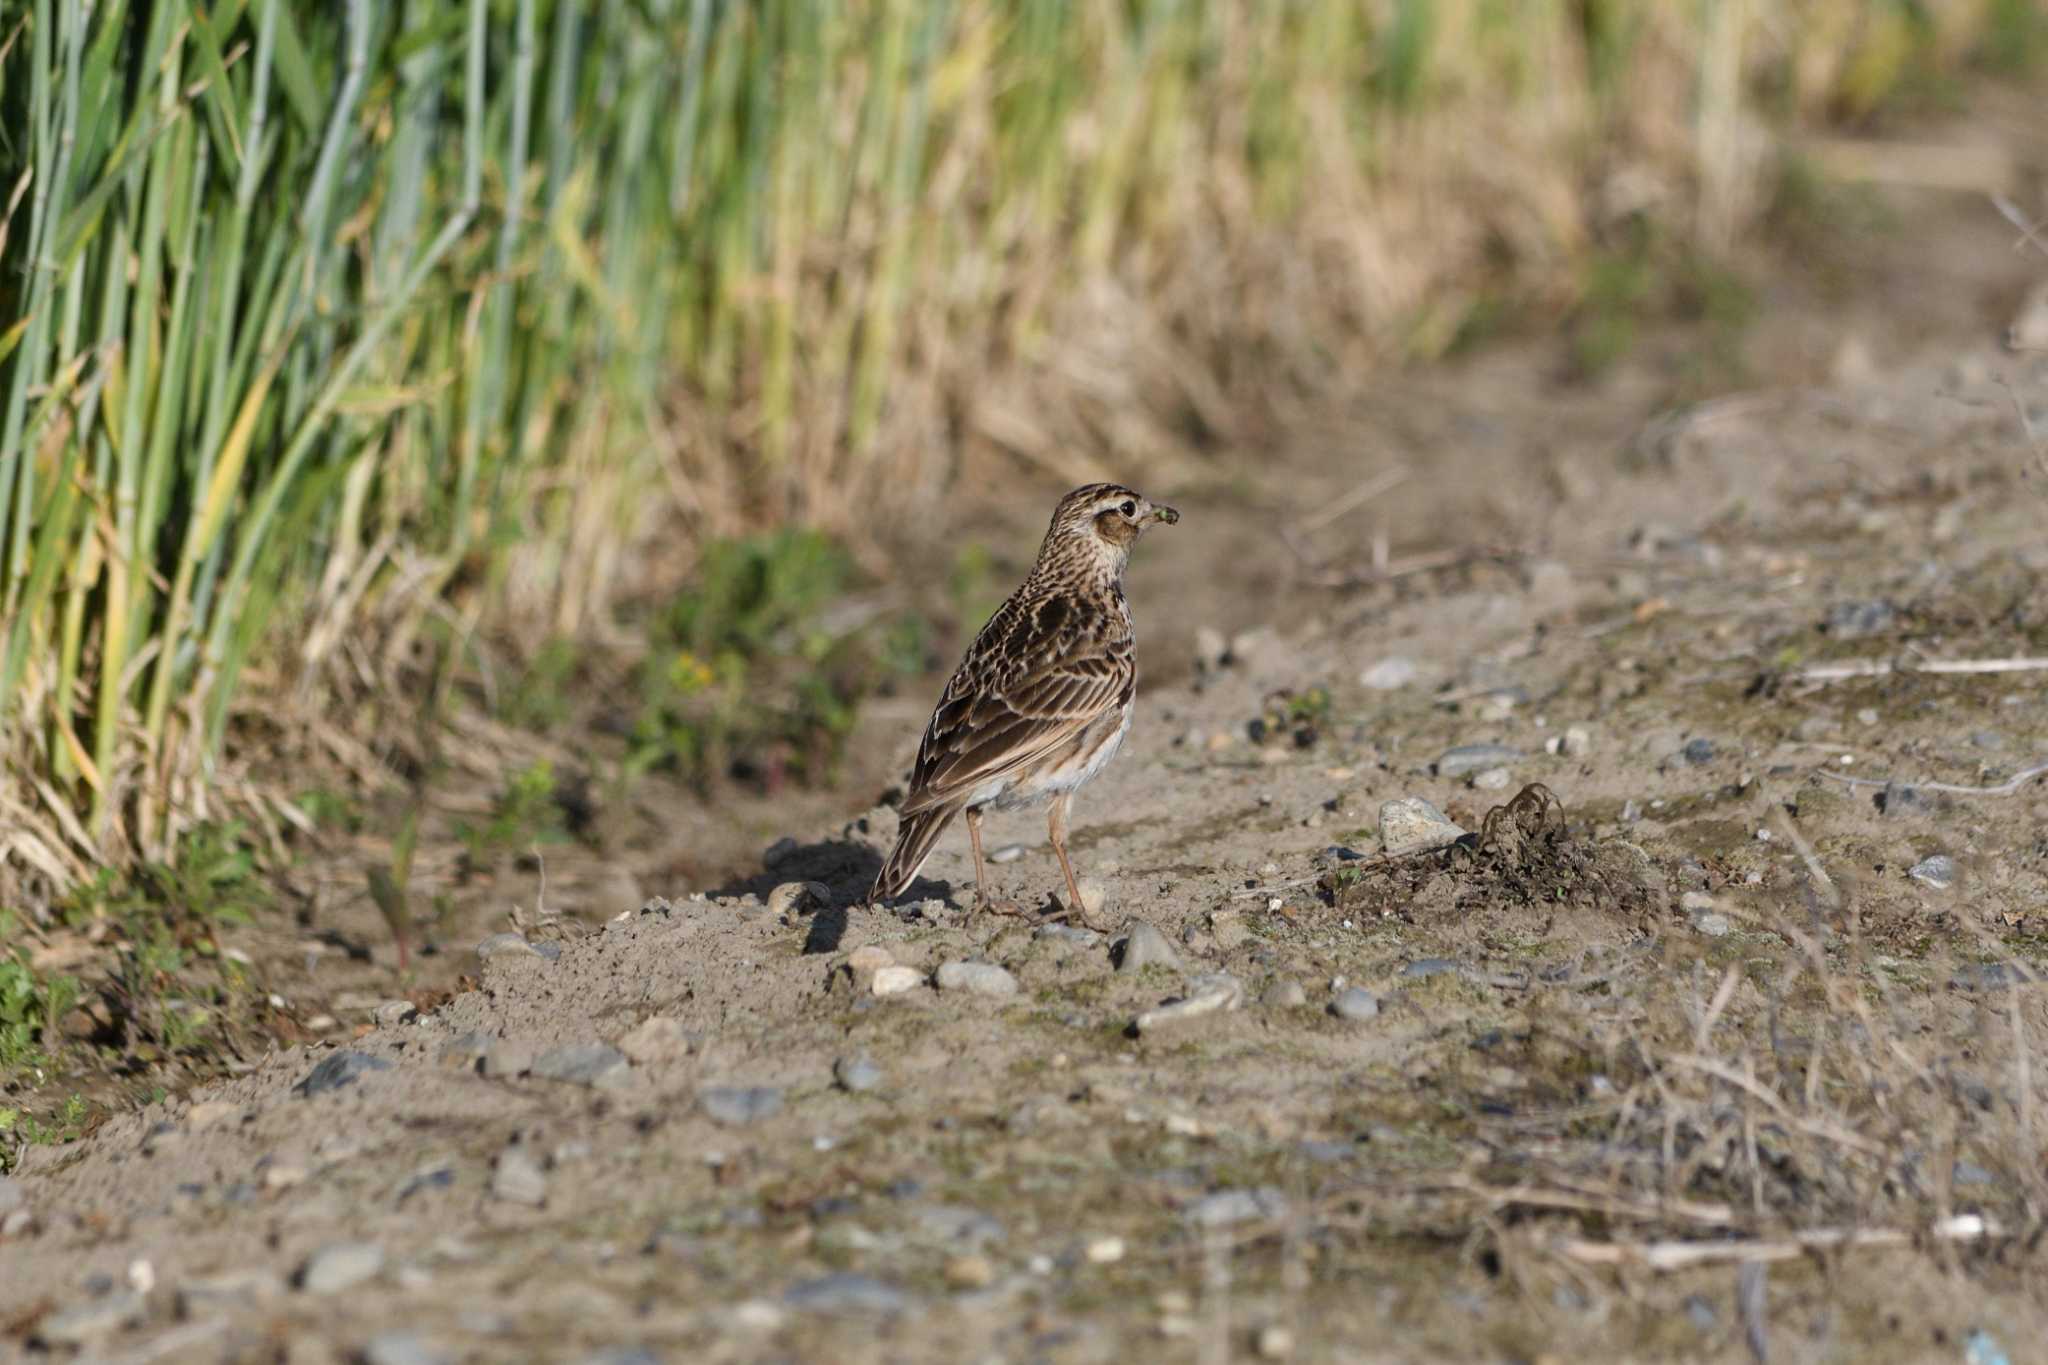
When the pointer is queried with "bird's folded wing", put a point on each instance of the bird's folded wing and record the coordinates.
(979, 737)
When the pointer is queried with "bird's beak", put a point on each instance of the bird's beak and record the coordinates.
(1165, 514)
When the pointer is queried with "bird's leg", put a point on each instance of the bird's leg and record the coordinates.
(1056, 828)
(980, 869)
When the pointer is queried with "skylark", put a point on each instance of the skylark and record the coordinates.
(1043, 698)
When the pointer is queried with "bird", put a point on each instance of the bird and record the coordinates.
(1043, 698)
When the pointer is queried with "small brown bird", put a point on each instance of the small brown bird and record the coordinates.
(1044, 696)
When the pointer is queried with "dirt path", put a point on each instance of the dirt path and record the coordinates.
(1719, 1001)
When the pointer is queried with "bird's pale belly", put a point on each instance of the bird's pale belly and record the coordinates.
(1063, 770)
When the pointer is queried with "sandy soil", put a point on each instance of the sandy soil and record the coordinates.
(1474, 1104)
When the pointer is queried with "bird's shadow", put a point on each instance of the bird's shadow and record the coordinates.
(846, 868)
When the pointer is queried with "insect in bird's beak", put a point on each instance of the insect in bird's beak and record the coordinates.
(1165, 514)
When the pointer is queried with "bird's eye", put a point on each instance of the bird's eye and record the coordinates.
(1129, 509)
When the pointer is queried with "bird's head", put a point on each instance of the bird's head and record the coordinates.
(1107, 517)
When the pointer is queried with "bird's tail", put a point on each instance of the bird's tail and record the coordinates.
(920, 830)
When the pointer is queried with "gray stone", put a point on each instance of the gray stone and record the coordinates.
(1699, 752)
(1069, 935)
(402, 1348)
(857, 1074)
(1902, 800)
(953, 1223)
(739, 1105)
(82, 1324)
(1423, 967)
(519, 1178)
(977, 978)
(508, 1058)
(1355, 1002)
(228, 1290)
(1491, 780)
(1145, 947)
(1206, 995)
(395, 1013)
(1938, 871)
(1285, 993)
(1473, 758)
(1853, 620)
(339, 1069)
(593, 1064)
(1228, 1207)
(846, 1292)
(505, 945)
(1969, 1173)
(1713, 924)
(12, 1196)
(1008, 853)
(1991, 976)
(798, 896)
(465, 1051)
(1411, 825)
(1389, 674)
(658, 1038)
(340, 1266)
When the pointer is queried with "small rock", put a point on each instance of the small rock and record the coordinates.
(1631, 811)
(1210, 649)
(228, 1290)
(283, 1176)
(395, 1013)
(846, 1292)
(1990, 976)
(1700, 1312)
(1355, 1002)
(1069, 935)
(1411, 825)
(340, 1266)
(739, 1105)
(1094, 896)
(1901, 799)
(1389, 674)
(1969, 1173)
(507, 1058)
(1981, 1348)
(2028, 330)
(594, 1064)
(84, 1323)
(519, 1179)
(1938, 871)
(870, 957)
(1472, 758)
(505, 945)
(1699, 752)
(971, 1271)
(12, 1196)
(1491, 780)
(1206, 995)
(1695, 902)
(857, 1074)
(401, 1348)
(465, 1052)
(1105, 1250)
(896, 980)
(339, 1069)
(1284, 993)
(16, 1224)
(207, 1113)
(1274, 1342)
(1008, 853)
(977, 978)
(1228, 1207)
(1145, 947)
(1424, 967)
(1853, 620)
(798, 896)
(658, 1038)
(1712, 925)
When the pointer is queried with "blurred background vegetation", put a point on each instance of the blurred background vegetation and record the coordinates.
(338, 338)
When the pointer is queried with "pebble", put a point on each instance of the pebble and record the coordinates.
(1008, 853)
(1410, 824)
(1472, 758)
(506, 1059)
(1274, 1342)
(395, 1013)
(230, 1289)
(340, 1266)
(846, 1292)
(1491, 780)
(85, 1323)
(1712, 925)
(1206, 995)
(1970, 1173)
(207, 1113)
(1094, 896)
(1699, 752)
(1072, 935)
(594, 1064)
(339, 1069)
(977, 978)
(1105, 1250)
(870, 957)
(402, 1348)
(1850, 620)
(1695, 902)
(857, 1074)
(1210, 647)
(1355, 1002)
(463, 1053)
(1395, 671)
(971, 1271)
(798, 896)
(1285, 993)
(1989, 976)
(12, 1196)
(1423, 967)
(1145, 947)
(1938, 871)
(505, 945)
(1228, 1207)
(1902, 799)
(16, 1224)
(283, 1176)
(519, 1178)
(658, 1038)
(739, 1105)
(896, 980)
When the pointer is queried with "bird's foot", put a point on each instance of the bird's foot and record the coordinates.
(999, 905)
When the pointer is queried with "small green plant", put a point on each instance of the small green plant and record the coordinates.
(526, 813)
(31, 1006)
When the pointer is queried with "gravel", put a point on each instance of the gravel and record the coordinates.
(1938, 872)
(519, 1178)
(1145, 947)
(896, 980)
(12, 1196)
(1699, 752)
(857, 1074)
(593, 1064)
(977, 978)
(229, 1289)
(846, 1292)
(339, 1069)
(739, 1105)
(82, 1324)
(1424, 967)
(1228, 1207)
(1410, 824)
(340, 1266)
(1355, 1002)
(1206, 995)
(1473, 758)
(1389, 674)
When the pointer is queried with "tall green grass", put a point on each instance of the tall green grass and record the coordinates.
(322, 321)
